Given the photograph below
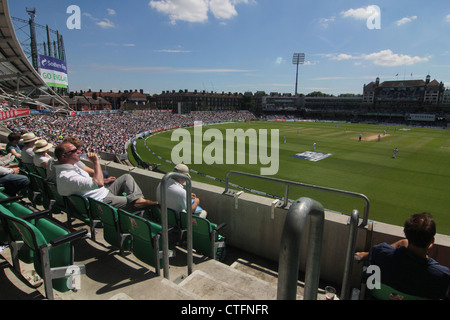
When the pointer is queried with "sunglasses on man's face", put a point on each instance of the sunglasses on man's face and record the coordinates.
(71, 151)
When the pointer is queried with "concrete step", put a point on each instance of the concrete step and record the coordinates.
(263, 273)
(271, 276)
(216, 281)
(164, 289)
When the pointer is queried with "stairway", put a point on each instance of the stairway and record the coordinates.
(212, 280)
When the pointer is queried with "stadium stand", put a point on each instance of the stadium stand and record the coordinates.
(115, 129)
(254, 224)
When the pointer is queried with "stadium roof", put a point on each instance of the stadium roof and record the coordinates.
(17, 75)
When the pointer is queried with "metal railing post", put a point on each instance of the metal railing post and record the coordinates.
(164, 223)
(290, 249)
(345, 292)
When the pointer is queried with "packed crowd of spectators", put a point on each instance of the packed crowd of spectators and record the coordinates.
(110, 132)
(4, 106)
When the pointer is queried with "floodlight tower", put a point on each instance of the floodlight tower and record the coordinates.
(33, 45)
(298, 58)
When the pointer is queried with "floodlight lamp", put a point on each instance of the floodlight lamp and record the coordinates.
(298, 58)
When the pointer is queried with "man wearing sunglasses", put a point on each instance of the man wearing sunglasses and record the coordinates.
(70, 179)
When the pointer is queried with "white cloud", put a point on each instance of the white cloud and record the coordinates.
(405, 20)
(111, 12)
(222, 9)
(385, 58)
(104, 24)
(325, 22)
(115, 44)
(359, 13)
(343, 56)
(185, 10)
(447, 18)
(172, 51)
(196, 11)
(280, 60)
(389, 59)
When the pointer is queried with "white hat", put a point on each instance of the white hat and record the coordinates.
(29, 137)
(41, 146)
(182, 168)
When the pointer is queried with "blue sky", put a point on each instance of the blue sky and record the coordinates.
(247, 45)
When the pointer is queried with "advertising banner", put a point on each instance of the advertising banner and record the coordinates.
(53, 71)
(13, 113)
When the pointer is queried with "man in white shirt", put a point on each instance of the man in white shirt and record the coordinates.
(70, 179)
(176, 193)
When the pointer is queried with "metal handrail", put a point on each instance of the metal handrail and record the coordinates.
(310, 186)
(290, 249)
(164, 223)
(345, 292)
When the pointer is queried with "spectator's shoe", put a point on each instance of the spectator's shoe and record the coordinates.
(141, 204)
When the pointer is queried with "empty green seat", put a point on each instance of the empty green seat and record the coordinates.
(20, 211)
(145, 238)
(52, 247)
(108, 215)
(205, 236)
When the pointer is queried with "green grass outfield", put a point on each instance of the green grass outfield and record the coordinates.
(417, 180)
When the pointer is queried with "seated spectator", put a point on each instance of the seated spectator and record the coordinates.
(405, 265)
(70, 179)
(13, 144)
(79, 144)
(28, 140)
(7, 159)
(41, 157)
(176, 193)
(11, 180)
(52, 163)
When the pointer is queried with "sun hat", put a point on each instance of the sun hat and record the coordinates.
(29, 137)
(182, 168)
(41, 146)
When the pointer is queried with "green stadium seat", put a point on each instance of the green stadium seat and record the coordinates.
(21, 211)
(52, 249)
(206, 237)
(77, 207)
(108, 215)
(32, 192)
(173, 219)
(40, 196)
(57, 202)
(145, 235)
(29, 167)
(41, 172)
